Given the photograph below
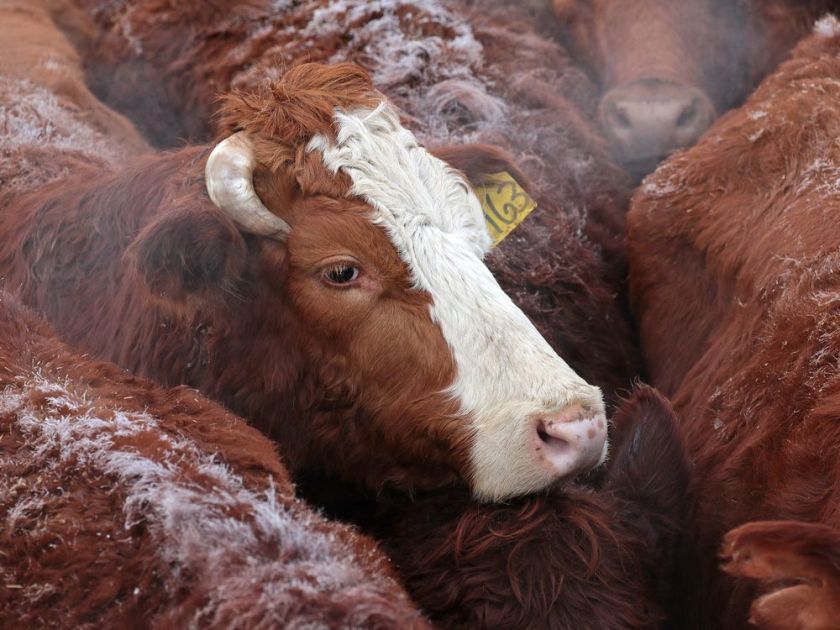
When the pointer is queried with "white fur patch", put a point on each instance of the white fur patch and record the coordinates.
(827, 26)
(507, 374)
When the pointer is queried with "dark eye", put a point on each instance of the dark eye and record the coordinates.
(340, 274)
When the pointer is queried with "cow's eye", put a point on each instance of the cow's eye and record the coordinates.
(341, 274)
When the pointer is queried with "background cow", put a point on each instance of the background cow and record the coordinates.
(733, 251)
(667, 69)
(123, 503)
(49, 120)
(460, 72)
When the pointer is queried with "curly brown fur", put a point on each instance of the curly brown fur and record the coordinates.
(574, 557)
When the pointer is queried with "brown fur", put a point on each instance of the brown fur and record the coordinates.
(124, 504)
(733, 249)
(449, 67)
(49, 120)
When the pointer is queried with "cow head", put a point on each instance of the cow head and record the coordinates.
(667, 67)
(398, 357)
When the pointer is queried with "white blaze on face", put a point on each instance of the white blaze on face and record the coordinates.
(508, 377)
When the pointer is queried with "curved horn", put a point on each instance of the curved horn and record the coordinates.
(229, 176)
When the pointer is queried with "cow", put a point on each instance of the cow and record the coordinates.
(319, 272)
(733, 250)
(45, 105)
(123, 503)
(449, 68)
(668, 69)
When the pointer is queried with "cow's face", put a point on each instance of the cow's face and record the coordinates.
(665, 68)
(415, 367)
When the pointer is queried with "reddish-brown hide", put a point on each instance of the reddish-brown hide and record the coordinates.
(124, 504)
(668, 68)
(451, 68)
(733, 251)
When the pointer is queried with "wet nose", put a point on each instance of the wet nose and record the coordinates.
(570, 442)
(645, 121)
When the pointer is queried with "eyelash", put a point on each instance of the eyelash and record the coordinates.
(336, 275)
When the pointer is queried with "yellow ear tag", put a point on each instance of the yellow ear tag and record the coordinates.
(505, 204)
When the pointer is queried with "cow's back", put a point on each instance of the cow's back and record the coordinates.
(50, 123)
(733, 250)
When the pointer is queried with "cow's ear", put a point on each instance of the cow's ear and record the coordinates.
(191, 256)
(477, 161)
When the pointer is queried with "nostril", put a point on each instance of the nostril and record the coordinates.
(620, 116)
(551, 441)
(688, 115)
(570, 441)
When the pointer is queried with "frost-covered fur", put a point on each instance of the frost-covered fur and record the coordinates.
(123, 502)
(49, 122)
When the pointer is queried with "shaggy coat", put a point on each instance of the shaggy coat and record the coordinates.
(477, 71)
(733, 251)
(124, 504)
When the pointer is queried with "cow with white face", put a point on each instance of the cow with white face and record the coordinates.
(320, 273)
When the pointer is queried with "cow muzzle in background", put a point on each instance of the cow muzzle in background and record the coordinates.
(646, 120)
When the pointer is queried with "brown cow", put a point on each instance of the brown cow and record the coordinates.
(449, 67)
(321, 273)
(124, 504)
(48, 117)
(668, 68)
(733, 251)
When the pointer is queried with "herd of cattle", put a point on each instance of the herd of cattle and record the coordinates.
(262, 368)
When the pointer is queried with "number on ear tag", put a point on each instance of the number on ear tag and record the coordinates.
(505, 204)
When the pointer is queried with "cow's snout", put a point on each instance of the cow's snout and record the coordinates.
(647, 120)
(571, 441)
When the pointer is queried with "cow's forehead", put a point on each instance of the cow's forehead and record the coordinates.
(410, 190)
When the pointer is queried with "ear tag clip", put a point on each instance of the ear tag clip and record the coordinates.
(505, 204)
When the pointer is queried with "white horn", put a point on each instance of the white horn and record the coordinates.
(229, 174)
